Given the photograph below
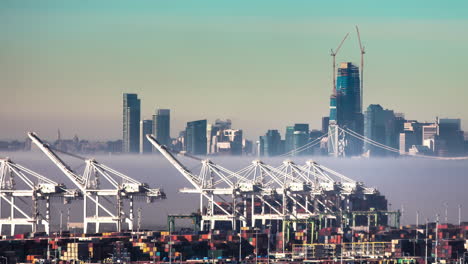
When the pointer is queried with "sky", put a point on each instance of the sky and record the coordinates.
(263, 64)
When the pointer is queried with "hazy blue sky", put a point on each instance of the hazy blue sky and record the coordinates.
(264, 64)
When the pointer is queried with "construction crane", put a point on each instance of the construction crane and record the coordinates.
(362, 66)
(122, 188)
(18, 182)
(333, 54)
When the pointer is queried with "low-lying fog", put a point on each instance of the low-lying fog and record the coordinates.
(414, 183)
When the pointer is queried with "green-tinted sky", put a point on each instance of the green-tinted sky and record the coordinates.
(264, 64)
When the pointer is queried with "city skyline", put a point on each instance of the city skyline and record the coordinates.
(183, 61)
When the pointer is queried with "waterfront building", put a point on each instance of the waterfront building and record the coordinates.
(131, 123)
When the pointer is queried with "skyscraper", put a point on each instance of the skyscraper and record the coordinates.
(384, 127)
(289, 139)
(195, 137)
(451, 135)
(345, 106)
(212, 131)
(162, 126)
(146, 127)
(270, 144)
(131, 123)
(301, 137)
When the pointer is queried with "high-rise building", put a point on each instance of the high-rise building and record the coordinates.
(382, 126)
(131, 123)
(451, 136)
(325, 123)
(162, 126)
(301, 137)
(270, 144)
(146, 127)
(289, 139)
(345, 108)
(195, 137)
(228, 141)
(317, 148)
(412, 135)
(212, 132)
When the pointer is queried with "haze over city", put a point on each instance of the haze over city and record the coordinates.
(263, 64)
(233, 132)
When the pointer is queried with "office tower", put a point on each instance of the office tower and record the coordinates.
(450, 136)
(131, 123)
(316, 148)
(212, 131)
(162, 126)
(270, 144)
(301, 137)
(345, 108)
(146, 127)
(411, 135)
(429, 135)
(228, 141)
(325, 123)
(384, 127)
(195, 137)
(289, 139)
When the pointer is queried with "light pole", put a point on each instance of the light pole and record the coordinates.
(459, 214)
(427, 235)
(240, 245)
(437, 237)
(170, 243)
(268, 249)
(256, 245)
(61, 220)
(446, 212)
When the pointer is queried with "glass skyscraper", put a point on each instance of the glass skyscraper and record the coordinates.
(270, 144)
(146, 127)
(345, 105)
(162, 126)
(301, 137)
(289, 139)
(131, 123)
(383, 126)
(195, 137)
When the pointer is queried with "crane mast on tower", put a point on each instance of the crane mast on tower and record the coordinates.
(362, 67)
(333, 54)
(106, 205)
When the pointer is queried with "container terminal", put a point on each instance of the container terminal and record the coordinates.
(259, 214)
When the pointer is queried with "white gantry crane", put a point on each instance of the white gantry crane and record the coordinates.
(261, 193)
(103, 205)
(18, 183)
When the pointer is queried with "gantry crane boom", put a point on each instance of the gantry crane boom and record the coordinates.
(181, 168)
(122, 188)
(38, 187)
(362, 66)
(333, 54)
